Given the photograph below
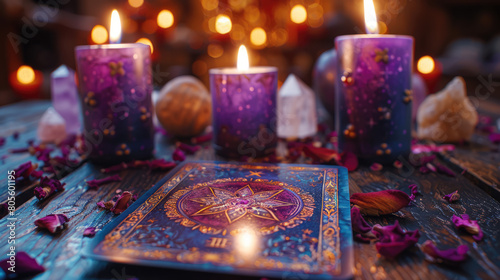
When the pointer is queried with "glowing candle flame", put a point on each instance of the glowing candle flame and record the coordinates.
(115, 29)
(242, 63)
(370, 18)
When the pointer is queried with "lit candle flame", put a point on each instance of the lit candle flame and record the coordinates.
(242, 63)
(371, 23)
(115, 29)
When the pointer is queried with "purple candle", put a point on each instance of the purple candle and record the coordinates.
(244, 109)
(374, 96)
(115, 89)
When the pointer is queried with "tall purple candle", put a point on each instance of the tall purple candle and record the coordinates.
(374, 95)
(244, 110)
(115, 89)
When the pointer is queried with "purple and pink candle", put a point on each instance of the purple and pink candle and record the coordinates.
(115, 89)
(374, 93)
(244, 109)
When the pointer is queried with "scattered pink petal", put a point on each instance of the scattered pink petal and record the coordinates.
(495, 138)
(450, 256)
(432, 148)
(360, 227)
(201, 139)
(444, 170)
(348, 160)
(398, 164)
(24, 266)
(421, 159)
(452, 197)
(15, 135)
(26, 173)
(19, 150)
(376, 167)
(53, 222)
(118, 191)
(89, 232)
(161, 164)
(431, 167)
(413, 191)
(468, 225)
(2, 141)
(393, 240)
(322, 155)
(178, 155)
(188, 149)
(381, 202)
(122, 203)
(47, 187)
(424, 169)
(96, 183)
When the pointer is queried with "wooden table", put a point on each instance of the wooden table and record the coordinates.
(61, 254)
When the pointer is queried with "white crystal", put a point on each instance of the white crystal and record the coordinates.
(296, 109)
(65, 98)
(52, 127)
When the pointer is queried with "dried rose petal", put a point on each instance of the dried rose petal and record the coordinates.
(381, 202)
(2, 141)
(53, 222)
(96, 183)
(26, 172)
(201, 139)
(348, 160)
(161, 164)
(452, 197)
(156, 164)
(122, 203)
(431, 167)
(469, 225)
(89, 232)
(444, 170)
(424, 170)
(432, 148)
(47, 187)
(323, 155)
(360, 226)
(393, 240)
(188, 148)
(15, 135)
(24, 266)
(376, 167)
(414, 190)
(19, 150)
(106, 205)
(178, 155)
(450, 256)
(421, 159)
(495, 138)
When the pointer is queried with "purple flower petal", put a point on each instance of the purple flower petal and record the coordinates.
(360, 226)
(452, 197)
(468, 225)
(53, 222)
(376, 167)
(188, 148)
(2, 141)
(23, 266)
(393, 240)
(381, 202)
(450, 256)
(89, 232)
(47, 187)
(122, 203)
(201, 139)
(444, 170)
(348, 160)
(413, 190)
(178, 155)
(96, 183)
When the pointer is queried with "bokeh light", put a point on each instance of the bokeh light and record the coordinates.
(25, 74)
(146, 41)
(215, 50)
(298, 14)
(165, 19)
(99, 34)
(425, 65)
(210, 4)
(223, 24)
(135, 3)
(258, 36)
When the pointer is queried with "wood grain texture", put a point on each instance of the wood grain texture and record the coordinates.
(61, 254)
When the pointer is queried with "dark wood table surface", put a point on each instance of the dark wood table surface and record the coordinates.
(61, 254)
